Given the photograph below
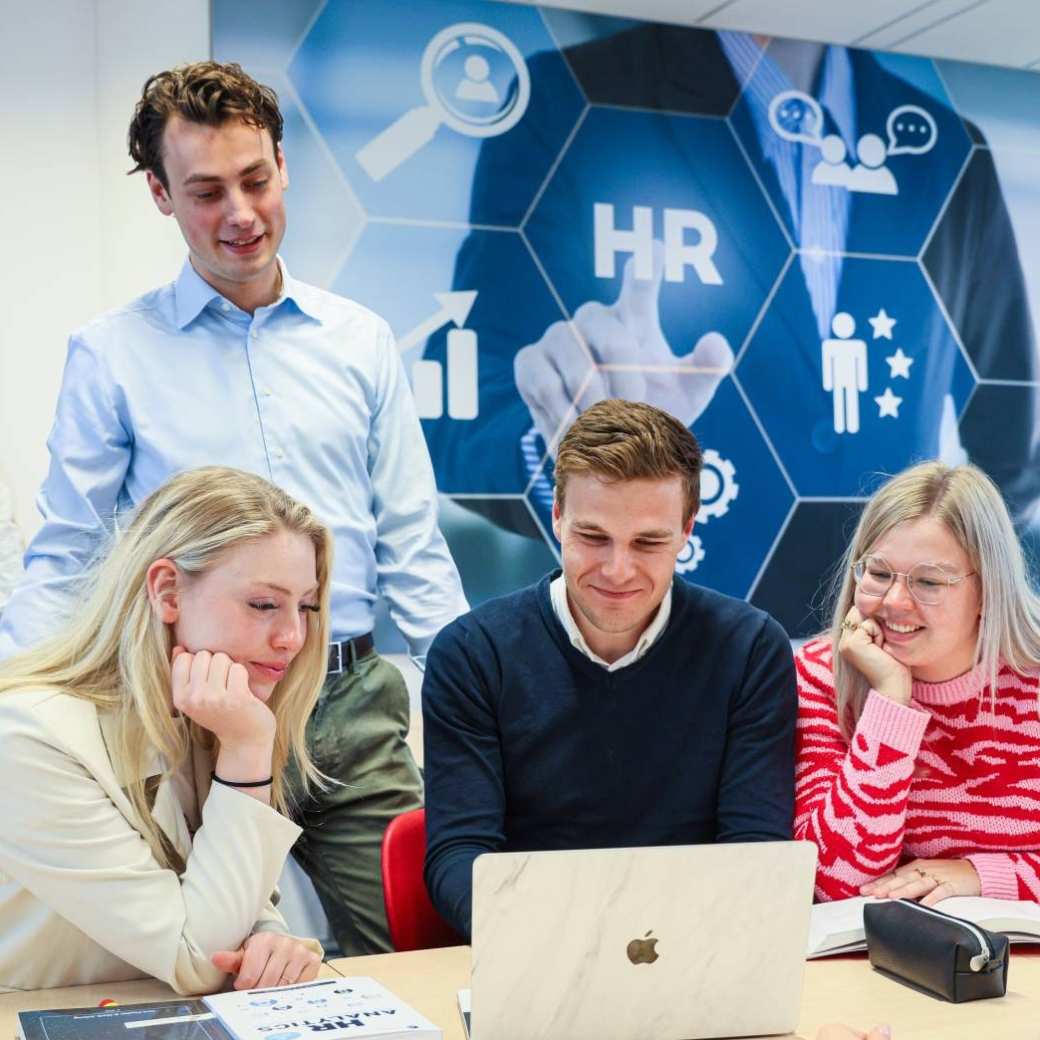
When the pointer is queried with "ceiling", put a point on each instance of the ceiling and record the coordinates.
(997, 32)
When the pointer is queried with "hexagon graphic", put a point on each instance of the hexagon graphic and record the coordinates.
(407, 99)
(744, 497)
(495, 543)
(794, 585)
(882, 390)
(629, 179)
(324, 217)
(260, 35)
(998, 430)
(668, 68)
(459, 343)
(864, 163)
(975, 264)
(497, 546)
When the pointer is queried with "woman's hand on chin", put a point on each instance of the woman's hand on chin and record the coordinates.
(213, 691)
(862, 645)
(927, 880)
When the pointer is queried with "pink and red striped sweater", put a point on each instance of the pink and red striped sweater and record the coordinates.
(945, 778)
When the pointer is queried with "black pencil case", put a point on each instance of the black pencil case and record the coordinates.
(934, 952)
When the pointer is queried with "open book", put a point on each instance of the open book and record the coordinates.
(327, 1009)
(838, 927)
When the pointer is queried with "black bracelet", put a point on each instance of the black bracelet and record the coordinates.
(243, 783)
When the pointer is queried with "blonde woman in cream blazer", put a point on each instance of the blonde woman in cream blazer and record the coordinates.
(142, 792)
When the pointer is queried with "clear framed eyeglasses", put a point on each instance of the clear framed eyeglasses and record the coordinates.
(928, 583)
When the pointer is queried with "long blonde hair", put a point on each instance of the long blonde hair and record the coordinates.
(970, 505)
(115, 652)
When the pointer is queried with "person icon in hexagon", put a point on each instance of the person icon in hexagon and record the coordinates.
(475, 85)
(871, 174)
(845, 372)
(832, 168)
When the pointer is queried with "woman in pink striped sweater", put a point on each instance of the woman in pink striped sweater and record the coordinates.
(918, 769)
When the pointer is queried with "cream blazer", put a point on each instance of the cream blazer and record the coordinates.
(82, 898)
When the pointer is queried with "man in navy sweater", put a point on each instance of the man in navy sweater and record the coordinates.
(613, 704)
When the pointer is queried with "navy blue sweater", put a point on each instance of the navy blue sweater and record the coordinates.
(530, 745)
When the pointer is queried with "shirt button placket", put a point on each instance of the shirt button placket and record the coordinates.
(266, 397)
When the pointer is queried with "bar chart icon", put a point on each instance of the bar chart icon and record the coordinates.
(428, 379)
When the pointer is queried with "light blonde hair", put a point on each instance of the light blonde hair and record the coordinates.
(115, 652)
(970, 505)
(629, 440)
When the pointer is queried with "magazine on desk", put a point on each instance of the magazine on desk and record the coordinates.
(330, 1009)
(837, 927)
(183, 1019)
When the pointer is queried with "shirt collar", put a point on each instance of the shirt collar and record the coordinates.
(192, 294)
(562, 609)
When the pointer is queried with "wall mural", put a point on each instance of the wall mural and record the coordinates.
(807, 253)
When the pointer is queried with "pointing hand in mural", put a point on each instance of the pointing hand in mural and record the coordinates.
(632, 357)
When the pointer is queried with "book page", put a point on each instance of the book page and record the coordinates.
(837, 927)
(329, 1009)
(998, 915)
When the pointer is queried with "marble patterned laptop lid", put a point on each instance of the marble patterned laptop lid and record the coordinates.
(622, 944)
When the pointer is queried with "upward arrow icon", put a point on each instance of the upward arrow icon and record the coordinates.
(454, 307)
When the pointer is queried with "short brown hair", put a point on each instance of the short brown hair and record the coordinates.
(204, 92)
(629, 440)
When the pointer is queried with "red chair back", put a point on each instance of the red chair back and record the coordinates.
(414, 923)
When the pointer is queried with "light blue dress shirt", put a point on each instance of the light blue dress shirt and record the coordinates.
(309, 393)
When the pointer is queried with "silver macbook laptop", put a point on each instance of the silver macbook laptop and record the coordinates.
(670, 943)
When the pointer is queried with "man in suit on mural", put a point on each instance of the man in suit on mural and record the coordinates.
(954, 218)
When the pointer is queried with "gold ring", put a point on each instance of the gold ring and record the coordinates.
(848, 626)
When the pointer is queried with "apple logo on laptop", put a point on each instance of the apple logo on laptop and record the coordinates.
(641, 951)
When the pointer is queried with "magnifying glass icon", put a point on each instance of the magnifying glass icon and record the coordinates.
(404, 137)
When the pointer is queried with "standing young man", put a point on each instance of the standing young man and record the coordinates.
(238, 363)
(611, 704)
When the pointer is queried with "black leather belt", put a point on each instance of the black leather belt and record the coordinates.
(343, 654)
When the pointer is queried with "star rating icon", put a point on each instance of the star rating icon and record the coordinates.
(882, 325)
(899, 363)
(888, 404)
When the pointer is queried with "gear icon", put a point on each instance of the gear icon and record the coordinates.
(690, 556)
(718, 486)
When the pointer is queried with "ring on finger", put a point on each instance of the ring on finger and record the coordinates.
(849, 626)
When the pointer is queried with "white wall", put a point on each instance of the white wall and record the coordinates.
(78, 236)
(51, 218)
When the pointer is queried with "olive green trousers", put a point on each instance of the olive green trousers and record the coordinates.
(356, 737)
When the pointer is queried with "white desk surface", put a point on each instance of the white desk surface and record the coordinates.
(836, 990)
(844, 990)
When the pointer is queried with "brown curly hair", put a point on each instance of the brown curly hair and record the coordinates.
(206, 92)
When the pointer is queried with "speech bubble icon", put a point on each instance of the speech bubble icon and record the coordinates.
(911, 130)
(796, 116)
